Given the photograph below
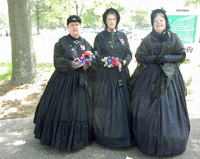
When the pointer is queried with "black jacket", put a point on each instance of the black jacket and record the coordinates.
(104, 46)
(65, 51)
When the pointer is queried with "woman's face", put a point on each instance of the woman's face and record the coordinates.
(159, 24)
(111, 21)
(74, 29)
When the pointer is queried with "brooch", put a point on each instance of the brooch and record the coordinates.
(122, 41)
(82, 47)
(76, 42)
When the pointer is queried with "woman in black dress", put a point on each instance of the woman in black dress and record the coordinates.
(62, 117)
(111, 101)
(160, 118)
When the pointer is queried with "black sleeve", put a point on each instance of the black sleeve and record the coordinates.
(175, 58)
(167, 59)
(60, 63)
(145, 59)
(97, 48)
(142, 55)
(179, 53)
(128, 53)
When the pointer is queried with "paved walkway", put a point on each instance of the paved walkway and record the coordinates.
(17, 142)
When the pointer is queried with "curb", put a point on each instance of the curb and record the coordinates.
(16, 124)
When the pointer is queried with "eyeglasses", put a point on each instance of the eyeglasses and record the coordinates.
(157, 21)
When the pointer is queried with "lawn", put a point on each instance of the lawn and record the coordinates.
(21, 101)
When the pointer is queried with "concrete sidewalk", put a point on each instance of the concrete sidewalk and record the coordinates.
(17, 142)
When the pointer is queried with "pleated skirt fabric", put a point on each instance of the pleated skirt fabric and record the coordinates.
(112, 115)
(62, 117)
(163, 127)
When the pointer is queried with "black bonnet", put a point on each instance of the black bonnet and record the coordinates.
(154, 12)
(108, 12)
(73, 18)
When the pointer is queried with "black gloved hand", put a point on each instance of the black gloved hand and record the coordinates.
(86, 65)
(75, 65)
(159, 59)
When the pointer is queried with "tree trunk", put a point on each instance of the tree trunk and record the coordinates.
(24, 63)
(38, 18)
(77, 9)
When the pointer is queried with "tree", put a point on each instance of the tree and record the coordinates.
(40, 9)
(52, 14)
(95, 10)
(90, 18)
(140, 17)
(24, 63)
(194, 3)
(49, 14)
(3, 21)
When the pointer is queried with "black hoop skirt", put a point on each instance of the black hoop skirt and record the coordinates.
(112, 114)
(62, 115)
(163, 127)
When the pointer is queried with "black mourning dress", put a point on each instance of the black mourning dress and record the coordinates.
(111, 102)
(161, 127)
(62, 117)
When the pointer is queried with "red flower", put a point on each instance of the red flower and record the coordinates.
(87, 54)
(115, 61)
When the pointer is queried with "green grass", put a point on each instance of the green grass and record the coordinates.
(46, 67)
(23, 115)
(36, 34)
(6, 69)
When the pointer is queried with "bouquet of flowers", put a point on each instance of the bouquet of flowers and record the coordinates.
(110, 61)
(87, 56)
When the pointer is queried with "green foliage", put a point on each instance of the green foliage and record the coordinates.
(185, 62)
(194, 3)
(190, 92)
(52, 14)
(41, 14)
(140, 18)
(3, 21)
(5, 71)
(90, 19)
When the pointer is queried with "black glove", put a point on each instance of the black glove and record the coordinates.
(86, 65)
(159, 59)
(75, 65)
